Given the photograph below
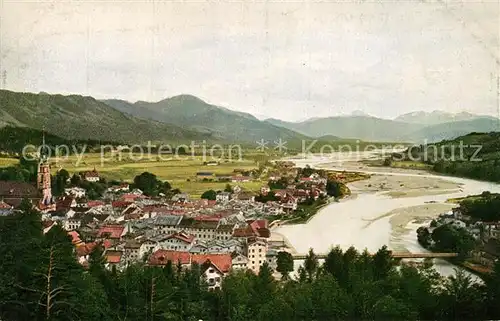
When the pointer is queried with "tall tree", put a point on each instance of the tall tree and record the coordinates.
(209, 195)
(284, 264)
(311, 265)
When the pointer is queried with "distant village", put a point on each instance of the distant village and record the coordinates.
(231, 231)
(457, 231)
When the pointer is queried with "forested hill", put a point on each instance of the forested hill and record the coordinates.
(83, 117)
(13, 140)
(476, 155)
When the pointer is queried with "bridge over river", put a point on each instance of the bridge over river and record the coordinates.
(396, 255)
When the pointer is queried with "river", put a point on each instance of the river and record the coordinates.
(345, 223)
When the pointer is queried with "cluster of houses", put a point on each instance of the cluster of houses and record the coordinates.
(237, 177)
(486, 234)
(220, 235)
(228, 233)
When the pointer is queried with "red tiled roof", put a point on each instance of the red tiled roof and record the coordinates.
(95, 203)
(107, 244)
(113, 256)
(129, 196)
(306, 179)
(120, 204)
(86, 249)
(244, 232)
(209, 218)
(75, 237)
(115, 231)
(64, 203)
(93, 173)
(161, 257)
(259, 224)
(223, 262)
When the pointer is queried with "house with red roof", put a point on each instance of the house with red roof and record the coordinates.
(75, 238)
(92, 204)
(244, 232)
(91, 176)
(113, 258)
(120, 204)
(161, 257)
(113, 232)
(214, 266)
(176, 242)
(260, 228)
(130, 197)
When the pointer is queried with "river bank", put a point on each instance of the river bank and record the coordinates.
(384, 210)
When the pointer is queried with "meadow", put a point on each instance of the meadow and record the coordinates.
(180, 172)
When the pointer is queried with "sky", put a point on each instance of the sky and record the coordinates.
(286, 60)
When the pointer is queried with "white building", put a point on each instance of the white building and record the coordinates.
(132, 251)
(257, 251)
(214, 276)
(91, 176)
(223, 197)
(240, 262)
(176, 242)
(76, 192)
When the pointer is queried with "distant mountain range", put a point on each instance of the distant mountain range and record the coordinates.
(436, 117)
(414, 127)
(184, 118)
(193, 113)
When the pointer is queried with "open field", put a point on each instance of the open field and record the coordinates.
(176, 171)
(411, 165)
(5, 162)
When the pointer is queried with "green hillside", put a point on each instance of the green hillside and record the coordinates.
(81, 117)
(14, 139)
(193, 113)
(481, 156)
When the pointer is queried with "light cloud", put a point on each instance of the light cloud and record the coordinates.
(283, 60)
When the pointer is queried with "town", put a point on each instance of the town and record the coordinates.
(223, 230)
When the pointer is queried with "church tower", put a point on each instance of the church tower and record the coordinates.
(43, 178)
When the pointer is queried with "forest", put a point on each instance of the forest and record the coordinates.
(42, 280)
(476, 155)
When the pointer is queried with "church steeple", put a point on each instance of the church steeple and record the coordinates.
(43, 149)
(43, 177)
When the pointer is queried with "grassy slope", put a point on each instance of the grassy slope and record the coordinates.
(82, 117)
(445, 156)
